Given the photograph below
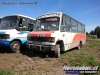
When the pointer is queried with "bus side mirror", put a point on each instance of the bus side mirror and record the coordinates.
(21, 25)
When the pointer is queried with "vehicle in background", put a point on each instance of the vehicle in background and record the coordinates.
(94, 36)
(14, 29)
(56, 32)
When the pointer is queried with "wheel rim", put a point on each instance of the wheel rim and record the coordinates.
(79, 47)
(16, 47)
(57, 52)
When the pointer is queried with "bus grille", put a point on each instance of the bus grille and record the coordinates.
(42, 39)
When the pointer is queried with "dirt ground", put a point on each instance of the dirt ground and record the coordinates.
(28, 63)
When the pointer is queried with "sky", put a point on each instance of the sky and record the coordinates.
(85, 11)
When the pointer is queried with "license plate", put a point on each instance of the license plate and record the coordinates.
(29, 41)
(37, 43)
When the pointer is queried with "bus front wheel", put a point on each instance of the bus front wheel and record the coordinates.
(57, 51)
(15, 46)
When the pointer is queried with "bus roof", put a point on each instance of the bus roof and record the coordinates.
(53, 12)
(58, 13)
(49, 14)
(21, 16)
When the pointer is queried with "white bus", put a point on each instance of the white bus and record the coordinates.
(56, 32)
(14, 29)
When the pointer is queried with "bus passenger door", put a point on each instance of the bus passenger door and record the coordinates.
(65, 30)
(66, 36)
(68, 39)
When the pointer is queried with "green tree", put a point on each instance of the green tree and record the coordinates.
(96, 30)
(98, 34)
(92, 32)
(87, 33)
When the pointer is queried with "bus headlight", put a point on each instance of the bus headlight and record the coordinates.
(4, 36)
(7, 36)
(52, 39)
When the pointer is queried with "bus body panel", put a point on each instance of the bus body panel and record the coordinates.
(77, 38)
(70, 39)
(14, 35)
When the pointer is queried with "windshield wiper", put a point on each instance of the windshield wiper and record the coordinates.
(46, 29)
(41, 29)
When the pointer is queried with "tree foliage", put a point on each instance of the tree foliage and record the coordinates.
(96, 31)
(92, 32)
(87, 33)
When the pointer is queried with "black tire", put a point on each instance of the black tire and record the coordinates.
(15, 46)
(80, 45)
(57, 51)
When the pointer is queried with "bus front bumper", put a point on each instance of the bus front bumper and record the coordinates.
(4, 43)
(40, 47)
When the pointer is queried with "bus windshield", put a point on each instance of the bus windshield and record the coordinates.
(9, 22)
(47, 24)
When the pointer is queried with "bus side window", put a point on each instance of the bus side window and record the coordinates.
(79, 27)
(23, 22)
(83, 28)
(73, 25)
(63, 24)
(20, 22)
(68, 23)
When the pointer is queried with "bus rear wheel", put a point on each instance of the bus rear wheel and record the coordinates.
(80, 45)
(57, 51)
(15, 46)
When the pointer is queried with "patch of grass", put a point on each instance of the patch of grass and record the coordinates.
(44, 69)
(65, 54)
(82, 60)
(41, 69)
(12, 67)
(48, 70)
(47, 58)
(93, 42)
(4, 59)
(30, 72)
(89, 36)
(61, 59)
(6, 72)
(20, 73)
(89, 60)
